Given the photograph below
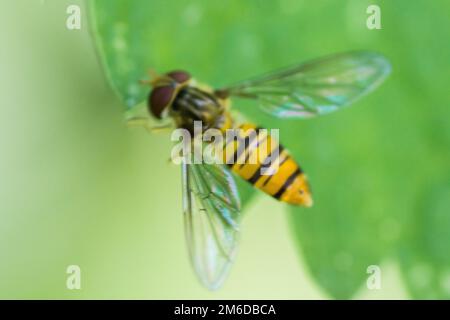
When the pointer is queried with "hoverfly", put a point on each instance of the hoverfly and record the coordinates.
(211, 205)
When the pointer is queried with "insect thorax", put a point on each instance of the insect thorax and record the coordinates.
(194, 104)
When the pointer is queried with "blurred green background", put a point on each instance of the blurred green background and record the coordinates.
(78, 187)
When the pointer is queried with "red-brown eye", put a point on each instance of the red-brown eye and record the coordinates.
(179, 76)
(159, 99)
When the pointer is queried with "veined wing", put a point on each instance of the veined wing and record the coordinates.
(317, 87)
(211, 214)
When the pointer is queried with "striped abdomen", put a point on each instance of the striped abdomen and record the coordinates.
(258, 158)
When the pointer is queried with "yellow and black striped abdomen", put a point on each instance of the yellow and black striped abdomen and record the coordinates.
(258, 158)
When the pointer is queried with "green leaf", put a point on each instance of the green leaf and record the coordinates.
(348, 229)
(122, 45)
(135, 36)
(246, 193)
(424, 254)
(337, 237)
(366, 164)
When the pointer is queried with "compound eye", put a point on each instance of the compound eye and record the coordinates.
(159, 99)
(179, 76)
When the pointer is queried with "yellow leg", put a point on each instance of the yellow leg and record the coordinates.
(146, 123)
(153, 77)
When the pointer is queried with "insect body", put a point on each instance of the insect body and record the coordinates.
(211, 202)
(185, 103)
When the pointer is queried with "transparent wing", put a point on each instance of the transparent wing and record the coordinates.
(317, 87)
(211, 214)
